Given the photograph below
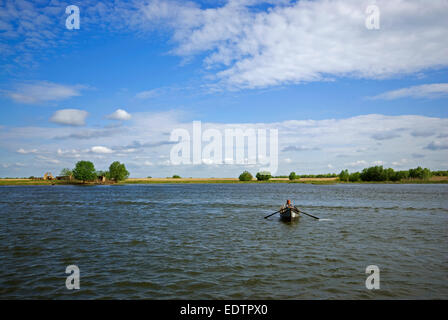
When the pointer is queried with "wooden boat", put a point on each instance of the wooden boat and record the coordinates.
(289, 214)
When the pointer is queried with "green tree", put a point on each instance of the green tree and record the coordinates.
(344, 175)
(66, 172)
(176, 176)
(246, 176)
(293, 176)
(84, 171)
(373, 174)
(263, 176)
(118, 172)
(354, 177)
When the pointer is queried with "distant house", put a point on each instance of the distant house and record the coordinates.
(48, 176)
(101, 178)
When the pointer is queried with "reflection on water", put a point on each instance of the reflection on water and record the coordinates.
(211, 241)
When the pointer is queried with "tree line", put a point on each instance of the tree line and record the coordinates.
(85, 171)
(378, 173)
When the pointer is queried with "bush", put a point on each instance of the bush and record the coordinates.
(263, 176)
(293, 176)
(175, 176)
(420, 173)
(246, 176)
(84, 171)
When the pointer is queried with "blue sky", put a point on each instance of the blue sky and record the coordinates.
(324, 82)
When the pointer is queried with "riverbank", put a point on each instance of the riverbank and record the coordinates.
(317, 181)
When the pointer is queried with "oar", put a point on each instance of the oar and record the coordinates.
(272, 214)
(306, 213)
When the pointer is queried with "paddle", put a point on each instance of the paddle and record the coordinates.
(306, 213)
(272, 214)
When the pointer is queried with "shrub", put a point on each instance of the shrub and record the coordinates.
(246, 176)
(263, 176)
(175, 176)
(293, 176)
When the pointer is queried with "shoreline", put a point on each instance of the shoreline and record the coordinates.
(315, 181)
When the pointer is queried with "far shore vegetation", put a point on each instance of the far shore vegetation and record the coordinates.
(85, 173)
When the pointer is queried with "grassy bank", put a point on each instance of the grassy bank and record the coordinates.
(316, 181)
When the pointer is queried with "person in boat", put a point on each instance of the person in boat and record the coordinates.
(287, 205)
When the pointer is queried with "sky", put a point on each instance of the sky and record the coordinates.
(346, 86)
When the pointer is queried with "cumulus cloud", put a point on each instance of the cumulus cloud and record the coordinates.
(101, 150)
(256, 43)
(434, 90)
(303, 41)
(42, 92)
(70, 117)
(119, 114)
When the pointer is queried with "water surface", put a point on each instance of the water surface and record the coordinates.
(210, 241)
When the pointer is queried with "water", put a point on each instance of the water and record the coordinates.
(210, 241)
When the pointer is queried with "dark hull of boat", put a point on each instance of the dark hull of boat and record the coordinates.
(288, 215)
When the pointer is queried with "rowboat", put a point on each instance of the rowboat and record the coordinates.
(289, 214)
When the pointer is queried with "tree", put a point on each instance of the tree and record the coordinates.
(176, 176)
(373, 174)
(246, 176)
(293, 176)
(263, 176)
(84, 171)
(344, 175)
(118, 172)
(66, 172)
(354, 177)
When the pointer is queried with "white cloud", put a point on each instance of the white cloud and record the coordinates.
(400, 163)
(42, 92)
(148, 94)
(422, 91)
(71, 117)
(306, 41)
(23, 151)
(358, 163)
(101, 150)
(119, 114)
